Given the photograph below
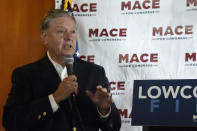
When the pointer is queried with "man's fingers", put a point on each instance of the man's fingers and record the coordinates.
(70, 78)
(110, 100)
(102, 91)
(76, 91)
(98, 87)
(90, 94)
(74, 84)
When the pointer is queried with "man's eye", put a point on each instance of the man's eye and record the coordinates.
(60, 31)
(73, 32)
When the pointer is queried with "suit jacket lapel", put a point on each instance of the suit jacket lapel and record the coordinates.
(50, 74)
(53, 79)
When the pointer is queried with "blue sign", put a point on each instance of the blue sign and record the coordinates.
(165, 102)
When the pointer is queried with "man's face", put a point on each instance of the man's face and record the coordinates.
(60, 37)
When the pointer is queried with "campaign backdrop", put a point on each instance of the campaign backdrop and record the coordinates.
(137, 40)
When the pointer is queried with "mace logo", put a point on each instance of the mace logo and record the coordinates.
(107, 34)
(190, 59)
(191, 5)
(125, 116)
(140, 7)
(85, 9)
(138, 60)
(117, 87)
(89, 58)
(180, 32)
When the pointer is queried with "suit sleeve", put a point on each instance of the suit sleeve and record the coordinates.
(22, 111)
(113, 122)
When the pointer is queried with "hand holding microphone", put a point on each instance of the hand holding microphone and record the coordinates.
(68, 86)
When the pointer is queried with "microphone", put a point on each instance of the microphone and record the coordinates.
(76, 117)
(68, 61)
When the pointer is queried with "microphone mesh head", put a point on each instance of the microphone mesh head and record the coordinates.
(68, 59)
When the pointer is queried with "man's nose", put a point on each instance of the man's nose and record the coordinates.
(67, 36)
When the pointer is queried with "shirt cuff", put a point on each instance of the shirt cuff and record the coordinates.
(53, 103)
(104, 116)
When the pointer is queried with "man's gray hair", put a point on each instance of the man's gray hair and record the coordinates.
(44, 25)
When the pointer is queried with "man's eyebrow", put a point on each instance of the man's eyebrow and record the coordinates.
(60, 26)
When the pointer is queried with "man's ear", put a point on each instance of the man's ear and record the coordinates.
(43, 36)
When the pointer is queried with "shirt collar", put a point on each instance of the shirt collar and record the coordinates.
(57, 66)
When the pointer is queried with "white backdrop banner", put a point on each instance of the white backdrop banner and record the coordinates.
(137, 40)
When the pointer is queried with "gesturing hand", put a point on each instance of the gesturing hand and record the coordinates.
(66, 88)
(101, 98)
